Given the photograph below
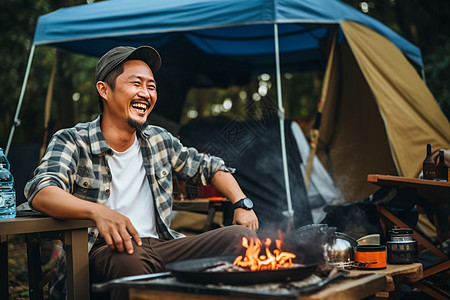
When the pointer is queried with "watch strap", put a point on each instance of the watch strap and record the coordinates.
(241, 203)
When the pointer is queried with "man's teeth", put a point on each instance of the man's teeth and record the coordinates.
(140, 106)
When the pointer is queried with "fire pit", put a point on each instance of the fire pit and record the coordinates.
(258, 265)
(195, 271)
(160, 283)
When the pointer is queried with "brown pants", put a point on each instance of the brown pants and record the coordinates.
(106, 264)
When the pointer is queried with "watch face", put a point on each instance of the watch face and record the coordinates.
(248, 203)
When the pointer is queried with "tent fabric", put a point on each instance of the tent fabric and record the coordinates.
(322, 191)
(379, 115)
(353, 141)
(253, 148)
(411, 116)
(237, 28)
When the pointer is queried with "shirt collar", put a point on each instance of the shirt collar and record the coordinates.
(96, 138)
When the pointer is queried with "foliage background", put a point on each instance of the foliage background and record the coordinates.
(423, 22)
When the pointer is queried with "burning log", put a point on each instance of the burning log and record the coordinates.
(225, 266)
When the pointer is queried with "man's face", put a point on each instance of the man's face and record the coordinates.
(134, 95)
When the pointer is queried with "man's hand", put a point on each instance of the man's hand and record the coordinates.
(116, 230)
(435, 157)
(246, 218)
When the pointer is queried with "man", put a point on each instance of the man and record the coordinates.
(124, 168)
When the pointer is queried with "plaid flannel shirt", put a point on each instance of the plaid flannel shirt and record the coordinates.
(76, 160)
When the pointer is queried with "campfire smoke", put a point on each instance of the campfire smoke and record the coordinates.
(309, 242)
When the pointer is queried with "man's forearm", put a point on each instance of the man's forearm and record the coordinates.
(57, 203)
(227, 185)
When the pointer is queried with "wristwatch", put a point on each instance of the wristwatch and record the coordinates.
(245, 203)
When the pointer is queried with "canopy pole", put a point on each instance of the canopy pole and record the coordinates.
(19, 104)
(314, 133)
(290, 212)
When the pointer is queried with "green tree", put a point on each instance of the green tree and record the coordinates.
(19, 19)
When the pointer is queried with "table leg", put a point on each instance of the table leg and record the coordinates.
(431, 292)
(76, 242)
(4, 290)
(34, 266)
(210, 217)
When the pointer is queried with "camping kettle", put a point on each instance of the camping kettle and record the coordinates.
(341, 253)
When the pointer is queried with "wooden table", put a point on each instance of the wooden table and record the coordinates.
(73, 234)
(358, 284)
(433, 192)
(396, 275)
(430, 190)
(357, 288)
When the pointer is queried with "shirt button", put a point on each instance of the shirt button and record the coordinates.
(164, 173)
(85, 184)
(107, 191)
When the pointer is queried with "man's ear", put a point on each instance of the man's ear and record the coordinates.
(102, 89)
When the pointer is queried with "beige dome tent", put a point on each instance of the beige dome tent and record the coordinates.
(378, 114)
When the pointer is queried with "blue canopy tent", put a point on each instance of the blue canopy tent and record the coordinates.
(240, 29)
(219, 42)
(233, 38)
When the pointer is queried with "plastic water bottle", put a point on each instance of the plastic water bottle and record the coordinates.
(7, 192)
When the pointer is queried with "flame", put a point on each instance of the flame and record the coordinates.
(268, 261)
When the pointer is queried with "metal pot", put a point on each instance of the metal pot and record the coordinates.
(401, 234)
(402, 252)
(341, 253)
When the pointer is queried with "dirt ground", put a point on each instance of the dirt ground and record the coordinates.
(17, 268)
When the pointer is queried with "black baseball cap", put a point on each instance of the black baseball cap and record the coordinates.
(116, 56)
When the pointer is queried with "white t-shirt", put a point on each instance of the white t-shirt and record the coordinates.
(130, 190)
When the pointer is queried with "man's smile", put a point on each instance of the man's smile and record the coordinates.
(140, 107)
